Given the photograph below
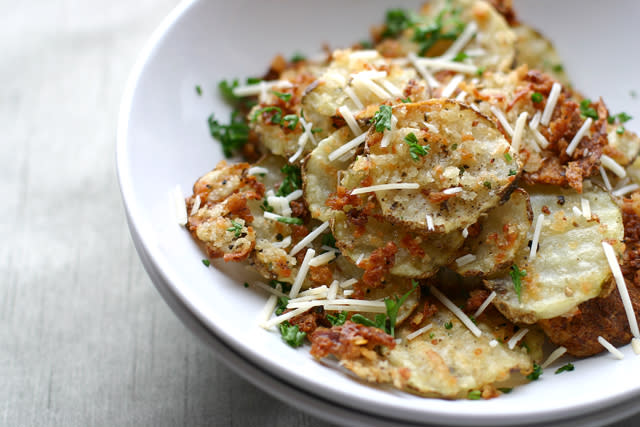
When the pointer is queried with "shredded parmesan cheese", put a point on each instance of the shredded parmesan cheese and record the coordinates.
(386, 187)
(373, 87)
(286, 316)
(465, 232)
(431, 81)
(579, 135)
(536, 237)
(322, 259)
(365, 54)
(302, 273)
(196, 205)
(461, 96)
(485, 304)
(462, 40)
(348, 146)
(551, 104)
(493, 343)
(555, 355)
(441, 64)
(613, 166)
(517, 132)
(605, 178)
(179, 205)
(586, 208)
(308, 238)
(277, 291)
(333, 290)
(517, 337)
(260, 88)
(391, 88)
(429, 220)
(635, 345)
(348, 283)
(417, 333)
(626, 189)
(387, 133)
(254, 170)
(451, 87)
(284, 243)
(502, 119)
(347, 292)
(577, 211)
(465, 259)
(622, 288)
(455, 310)
(607, 345)
(359, 260)
(302, 141)
(352, 94)
(452, 190)
(351, 121)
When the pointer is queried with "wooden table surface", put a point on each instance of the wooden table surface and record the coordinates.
(85, 339)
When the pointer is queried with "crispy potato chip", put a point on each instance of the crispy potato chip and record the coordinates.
(503, 233)
(535, 50)
(626, 144)
(570, 266)
(460, 161)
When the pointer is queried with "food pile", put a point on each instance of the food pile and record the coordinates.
(429, 206)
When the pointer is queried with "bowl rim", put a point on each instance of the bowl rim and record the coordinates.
(448, 412)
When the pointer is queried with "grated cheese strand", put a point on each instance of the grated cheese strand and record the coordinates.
(626, 189)
(417, 333)
(386, 138)
(518, 131)
(196, 205)
(429, 220)
(455, 310)
(322, 259)
(302, 273)
(465, 232)
(635, 345)
(493, 343)
(517, 337)
(348, 283)
(348, 146)
(179, 205)
(373, 87)
(465, 259)
(485, 304)
(351, 121)
(279, 319)
(307, 129)
(502, 119)
(294, 195)
(613, 166)
(578, 136)
(461, 96)
(586, 208)
(536, 237)
(352, 94)
(551, 104)
(333, 290)
(254, 170)
(555, 355)
(577, 211)
(442, 64)
(431, 81)
(452, 190)
(622, 288)
(302, 141)
(605, 178)
(386, 187)
(607, 345)
(274, 291)
(451, 87)
(391, 88)
(309, 238)
(257, 89)
(465, 37)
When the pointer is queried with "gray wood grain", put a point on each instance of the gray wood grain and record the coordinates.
(85, 339)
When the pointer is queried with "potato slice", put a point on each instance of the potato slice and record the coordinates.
(626, 145)
(418, 256)
(465, 150)
(570, 266)
(503, 233)
(535, 50)
(448, 360)
(320, 176)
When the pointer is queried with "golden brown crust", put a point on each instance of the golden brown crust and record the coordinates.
(349, 341)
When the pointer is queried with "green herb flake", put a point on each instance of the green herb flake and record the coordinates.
(505, 390)
(382, 118)
(454, 147)
(474, 395)
(566, 368)
(329, 240)
(513, 172)
(265, 206)
(236, 228)
(623, 117)
(620, 130)
(611, 119)
(290, 221)
(508, 157)
(284, 96)
(537, 371)
(461, 56)
(316, 130)
(431, 335)
(282, 305)
(276, 118)
(448, 325)
(536, 97)
(558, 68)
(406, 100)
(338, 319)
(292, 335)
(365, 44)
(206, 262)
(286, 287)
(246, 285)
(586, 110)
(396, 21)
(292, 119)
(416, 150)
(393, 305)
(487, 184)
(198, 90)
(297, 57)
(516, 277)
(480, 71)
(231, 136)
(291, 182)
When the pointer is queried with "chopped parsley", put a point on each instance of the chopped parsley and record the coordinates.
(505, 390)
(623, 117)
(291, 334)
(508, 157)
(382, 118)
(265, 206)
(487, 184)
(454, 146)
(397, 20)
(480, 71)
(586, 110)
(286, 287)
(246, 285)
(516, 277)
(297, 57)
(232, 136)
(282, 305)
(338, 319)
(386, 323)
(291, 182)
(536, 97)
(512, 172)
(329, 240)
(566, 368)
(416, 150)
(406, 100)
(292, 119)
(316, 130)
(291, 221)
(236, 228)
(461, 56)
(448, 325)
(558, 68)
(365, 44)
(284, 96)
(226, 90)
(198, 90)
(620, 130)
(537, 371)
(206, 262)
(276, 118)
(474, 395)
(380, 321)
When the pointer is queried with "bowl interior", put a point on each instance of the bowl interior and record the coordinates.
(163, 141)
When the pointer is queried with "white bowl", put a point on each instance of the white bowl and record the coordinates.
(163, 140)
